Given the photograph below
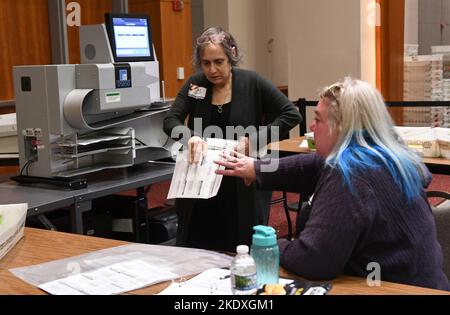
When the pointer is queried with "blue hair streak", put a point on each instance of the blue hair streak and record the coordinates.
(357, 158)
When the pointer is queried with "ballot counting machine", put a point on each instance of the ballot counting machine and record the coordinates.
(101, 114)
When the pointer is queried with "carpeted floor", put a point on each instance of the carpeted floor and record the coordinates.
(277, 219)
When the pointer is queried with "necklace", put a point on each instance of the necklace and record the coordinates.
(226, 90)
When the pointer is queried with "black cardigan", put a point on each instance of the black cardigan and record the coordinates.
(255, 102)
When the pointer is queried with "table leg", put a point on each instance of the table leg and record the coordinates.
(140, 218)
(76, 215)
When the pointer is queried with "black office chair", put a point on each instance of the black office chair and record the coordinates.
(296, 206)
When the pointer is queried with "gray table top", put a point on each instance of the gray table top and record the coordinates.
(41, 200)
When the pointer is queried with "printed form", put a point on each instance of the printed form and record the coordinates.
(199, 181)
(113, 279)
(214, 281)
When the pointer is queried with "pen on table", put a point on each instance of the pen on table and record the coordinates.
(224, 277)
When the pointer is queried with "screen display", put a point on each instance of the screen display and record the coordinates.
(130, 37)
(123, 74)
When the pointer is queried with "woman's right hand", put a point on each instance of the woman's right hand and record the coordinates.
(197, 150)
(237, 165)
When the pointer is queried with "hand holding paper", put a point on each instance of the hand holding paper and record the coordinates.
(199, 180)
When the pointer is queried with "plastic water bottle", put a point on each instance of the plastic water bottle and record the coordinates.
(243, 272)
(266, 254)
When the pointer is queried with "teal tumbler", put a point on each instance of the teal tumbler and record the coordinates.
(266, 254)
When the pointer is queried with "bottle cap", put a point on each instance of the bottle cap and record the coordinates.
(242, 249)
(264, 236)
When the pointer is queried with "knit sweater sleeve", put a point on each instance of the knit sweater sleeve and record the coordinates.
(338, 220)
(298, 173)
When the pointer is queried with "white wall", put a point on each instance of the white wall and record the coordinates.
(197, 19)
(248, 24)
(215, 13)
(370, 18)
(434, 24)
(412, 22)
(324, 44)
(247, 21)
(315, 42)
(278, 56)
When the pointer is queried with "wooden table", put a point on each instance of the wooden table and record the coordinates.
(39, 246)
(289, 146)
(292, 146)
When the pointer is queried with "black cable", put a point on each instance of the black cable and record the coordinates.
(140, 141)
(23, 168)
(28, 167)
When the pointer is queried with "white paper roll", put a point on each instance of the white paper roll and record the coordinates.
(73, 108)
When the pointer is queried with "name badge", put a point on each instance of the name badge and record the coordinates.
(197, 92)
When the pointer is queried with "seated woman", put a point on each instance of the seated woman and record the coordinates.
(368, 207)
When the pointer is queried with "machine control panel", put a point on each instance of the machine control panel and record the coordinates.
(123, 75)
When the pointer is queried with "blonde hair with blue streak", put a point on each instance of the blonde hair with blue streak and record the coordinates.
(367, 138)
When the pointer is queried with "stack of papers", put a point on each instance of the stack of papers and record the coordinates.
(8, 136)
(199, 181)
(113, 279)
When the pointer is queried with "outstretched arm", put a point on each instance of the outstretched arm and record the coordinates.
(237, 165)
(298, 173)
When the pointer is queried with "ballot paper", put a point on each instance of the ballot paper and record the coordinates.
(214, 281)
(199, 181)
(113, 279)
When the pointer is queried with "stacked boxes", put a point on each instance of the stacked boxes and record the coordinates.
(417, 86)
(411, 50)
(444, 112)
(427, 141)
(427, 78)
(417, 79)
(417, 116)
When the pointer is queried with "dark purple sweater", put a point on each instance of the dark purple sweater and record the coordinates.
(347, 229)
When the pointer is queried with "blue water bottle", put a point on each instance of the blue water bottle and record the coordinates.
(266, 255)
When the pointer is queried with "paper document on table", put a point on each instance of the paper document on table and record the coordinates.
(304, 144)
(113, 279)
(213, 281)
(199, 181)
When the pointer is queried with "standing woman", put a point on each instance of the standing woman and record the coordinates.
(222, 95)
